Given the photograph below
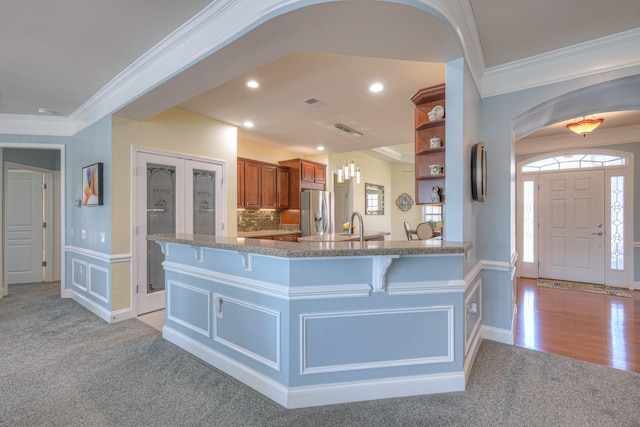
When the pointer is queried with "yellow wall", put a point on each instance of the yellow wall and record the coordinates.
(373, 171)
(251, 150)
(176, 131)
(403, 181)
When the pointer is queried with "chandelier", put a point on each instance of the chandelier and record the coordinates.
(584, 126)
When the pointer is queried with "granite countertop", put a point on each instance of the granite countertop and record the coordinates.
(342, 237)
(316, 249)
(261, 233)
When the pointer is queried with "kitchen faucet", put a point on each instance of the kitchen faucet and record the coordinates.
(356, 213)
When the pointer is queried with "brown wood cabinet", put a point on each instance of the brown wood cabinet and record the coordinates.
(262, 185)
(252, 185)
(304, 174)
(268, 186)
(282, 187)
(430, 160)
(240, 183)
(287, 237)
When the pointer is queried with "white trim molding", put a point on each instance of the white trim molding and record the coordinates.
(169, 310)
(272, 289)
(445, 358)
(598, 56)
(220, 299)
(318, 395)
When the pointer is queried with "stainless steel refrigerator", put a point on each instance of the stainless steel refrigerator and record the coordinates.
(316, 212)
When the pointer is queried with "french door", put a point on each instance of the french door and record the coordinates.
(174, 195)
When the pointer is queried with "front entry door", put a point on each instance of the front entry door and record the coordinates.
(175, 196)
(24, 227)
(572, 226)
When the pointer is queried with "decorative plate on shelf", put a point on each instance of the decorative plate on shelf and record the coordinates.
(404, 202)
(436, 113)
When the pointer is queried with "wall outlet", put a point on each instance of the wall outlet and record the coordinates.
(84, 234)
(103, 237)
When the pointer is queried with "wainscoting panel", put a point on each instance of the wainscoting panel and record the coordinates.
(190, 307)
(347, 341)
(99, 282)
(248, 329)
(79, 274)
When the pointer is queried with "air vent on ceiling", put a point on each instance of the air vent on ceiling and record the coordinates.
(347, 129)
(314, 102)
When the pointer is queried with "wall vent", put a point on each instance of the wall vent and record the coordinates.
(314, 102)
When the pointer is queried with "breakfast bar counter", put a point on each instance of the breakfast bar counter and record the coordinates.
(318, 323)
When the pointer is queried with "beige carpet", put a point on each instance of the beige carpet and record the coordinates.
(583, 287)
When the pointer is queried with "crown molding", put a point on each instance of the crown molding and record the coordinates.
(605, 54)
(223, 21)
(25, 124)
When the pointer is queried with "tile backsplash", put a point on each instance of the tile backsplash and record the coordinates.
(250, 220)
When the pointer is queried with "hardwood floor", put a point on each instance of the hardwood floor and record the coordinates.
(596, 328)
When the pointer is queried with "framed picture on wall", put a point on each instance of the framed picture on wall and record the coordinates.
(92, 185)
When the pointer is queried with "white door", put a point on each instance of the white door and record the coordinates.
(572, 226)
(174, 196)
(24, 227)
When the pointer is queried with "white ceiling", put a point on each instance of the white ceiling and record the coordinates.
(58, 55)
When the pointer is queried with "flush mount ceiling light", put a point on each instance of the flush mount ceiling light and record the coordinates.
(347, 129)
(584, 126)
(376, 87)
(248, 124)
(253, 84)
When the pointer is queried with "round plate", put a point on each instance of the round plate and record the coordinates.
(436, 113)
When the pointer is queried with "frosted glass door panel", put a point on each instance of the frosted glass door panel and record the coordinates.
(161, 218)
(204, 202)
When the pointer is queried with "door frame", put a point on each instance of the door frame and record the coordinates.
(57, 202)
(623, 278)
(135, 174)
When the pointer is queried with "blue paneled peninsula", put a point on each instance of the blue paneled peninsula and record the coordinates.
(318, 323)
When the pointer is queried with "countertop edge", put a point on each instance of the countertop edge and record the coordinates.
(316, 249)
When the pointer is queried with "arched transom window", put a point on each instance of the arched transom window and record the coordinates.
(574, 161)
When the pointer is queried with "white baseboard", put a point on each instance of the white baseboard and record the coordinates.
(98, 310)
(471, 355)
(325, 394)
(357, 391)
(259, 382)
(504, 336)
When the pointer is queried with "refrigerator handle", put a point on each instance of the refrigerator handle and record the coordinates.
(324, 213)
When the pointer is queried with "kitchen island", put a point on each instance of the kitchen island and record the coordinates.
(317, 323)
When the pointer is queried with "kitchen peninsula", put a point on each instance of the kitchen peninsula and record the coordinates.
(316, 323)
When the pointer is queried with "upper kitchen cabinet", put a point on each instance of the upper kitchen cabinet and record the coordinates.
(262, 185)
(313, 172)
(282, 187)
(430, 144)
(304, 174)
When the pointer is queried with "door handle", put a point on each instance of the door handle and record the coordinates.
(599, 233)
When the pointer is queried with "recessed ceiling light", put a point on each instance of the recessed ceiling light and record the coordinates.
(248, 124)
(253, 84)
(320, 148)
(376, 87)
